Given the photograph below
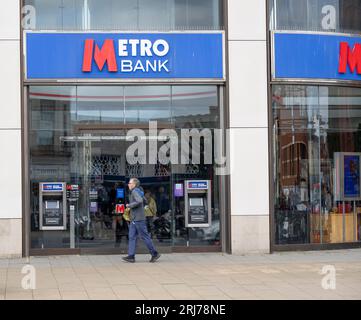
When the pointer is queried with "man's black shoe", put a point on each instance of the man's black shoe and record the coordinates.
(155, 258)
(129, 259)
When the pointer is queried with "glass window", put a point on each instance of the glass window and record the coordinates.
(316, 15)
(127, 14)
(78, 137)
(155, 14)
(52, 110)
(198, 14)
(350, 12)
(146, 103)
(100, 105)
(313, 129)
(58, 14)
(195, 106)
(112, 15)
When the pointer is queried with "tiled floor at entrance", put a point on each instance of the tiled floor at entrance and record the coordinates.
(186, 276)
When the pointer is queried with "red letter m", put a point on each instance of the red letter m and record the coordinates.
(101, 56)
(349, 57)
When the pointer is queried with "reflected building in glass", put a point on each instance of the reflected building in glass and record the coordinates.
(315, 126)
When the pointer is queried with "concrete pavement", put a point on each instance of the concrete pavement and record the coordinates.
(296, 275)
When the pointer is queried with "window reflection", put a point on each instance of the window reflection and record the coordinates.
(100, 105)
(316, 15)
(195, 106)
(58, 14)
(77, 136)
(111, 14)
(127, 14)
(146, 103)
(311, 126)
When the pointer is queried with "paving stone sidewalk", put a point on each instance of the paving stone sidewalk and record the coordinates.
(296, 275)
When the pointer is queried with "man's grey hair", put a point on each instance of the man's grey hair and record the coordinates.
(136, 181)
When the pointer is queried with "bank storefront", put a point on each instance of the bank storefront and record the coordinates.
(315, 121)
(105, 100)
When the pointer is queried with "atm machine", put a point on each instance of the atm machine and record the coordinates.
(52, 206)
(198, 205)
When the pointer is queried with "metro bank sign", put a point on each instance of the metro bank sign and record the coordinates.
(316, 56)
(350, 57)
(124, 55)
(132, 47)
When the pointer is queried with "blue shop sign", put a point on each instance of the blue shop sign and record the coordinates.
(50, 187)
(316, 56)
(198, 185)
(124, 55)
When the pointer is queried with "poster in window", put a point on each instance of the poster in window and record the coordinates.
(120, 193)
(351, 176)
(178, 190)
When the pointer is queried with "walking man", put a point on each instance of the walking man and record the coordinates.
(137, 225)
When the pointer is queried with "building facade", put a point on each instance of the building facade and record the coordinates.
(315, 105)
(240, 118)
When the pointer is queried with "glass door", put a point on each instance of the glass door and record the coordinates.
(104, 166)
(100, 163)
(142, 162)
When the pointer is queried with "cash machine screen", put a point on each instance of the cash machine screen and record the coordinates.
(53, 213)
(52, 204)
(196, 202)
(197, 210)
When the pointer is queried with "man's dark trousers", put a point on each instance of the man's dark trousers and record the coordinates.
(139, 228)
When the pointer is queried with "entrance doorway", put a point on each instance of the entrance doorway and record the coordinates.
(102, 172)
